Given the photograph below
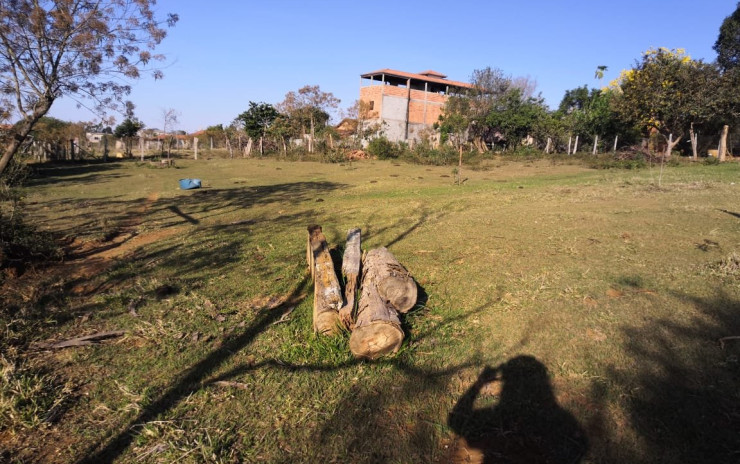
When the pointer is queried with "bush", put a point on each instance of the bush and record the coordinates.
(425, 154)
(20, 243)
(382, 148)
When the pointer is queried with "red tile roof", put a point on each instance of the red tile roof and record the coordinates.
(430, 72)
(430, 77)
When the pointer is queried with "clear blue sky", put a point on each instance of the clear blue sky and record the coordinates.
(222, 54)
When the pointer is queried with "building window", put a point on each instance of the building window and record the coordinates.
(372, 105)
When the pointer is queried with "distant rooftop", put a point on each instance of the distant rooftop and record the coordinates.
(434, 77)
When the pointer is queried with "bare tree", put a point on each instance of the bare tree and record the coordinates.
(85, 50)
(170, 118)
(307, 102)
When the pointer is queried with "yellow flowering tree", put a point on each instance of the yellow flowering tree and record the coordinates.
(665, 93)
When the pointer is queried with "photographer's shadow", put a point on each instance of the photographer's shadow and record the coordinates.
(526, 425)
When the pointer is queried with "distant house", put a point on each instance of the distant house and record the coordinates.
(405, 103)
(94, 137)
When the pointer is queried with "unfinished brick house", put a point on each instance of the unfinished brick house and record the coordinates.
(406, 103)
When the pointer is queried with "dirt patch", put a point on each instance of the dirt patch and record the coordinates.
(86, 259)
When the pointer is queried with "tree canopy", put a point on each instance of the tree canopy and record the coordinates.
(127, 131)
(258, 118)
(85, 50)
(666, 92)
(311, 104)
(727, 45)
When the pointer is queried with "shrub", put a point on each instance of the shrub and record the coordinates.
(20, 242)
(382, 148)
(425, 154)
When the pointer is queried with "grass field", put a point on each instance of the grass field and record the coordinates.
(567, 315)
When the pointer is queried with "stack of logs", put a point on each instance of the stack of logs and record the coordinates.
(387, 289)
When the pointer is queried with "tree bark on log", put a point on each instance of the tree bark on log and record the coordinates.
(327, 292)
(387, 288)
(351, 274)
(395, 284)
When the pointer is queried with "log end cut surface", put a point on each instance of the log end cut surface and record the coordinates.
(327, 323)
(375, 340)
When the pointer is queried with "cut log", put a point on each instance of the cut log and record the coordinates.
(395, 284)
(351, 274)
(387, 288)
(327, 292)
(377, 331)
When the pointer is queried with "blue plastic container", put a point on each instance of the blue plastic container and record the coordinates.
(188, 184)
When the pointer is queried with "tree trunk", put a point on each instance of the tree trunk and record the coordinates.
(327, 292)
(21, 130)
(548, 146)
(195, 147)
(459, 166)
(694, 142)
(722, 153)
(671, 145)
(570, 139)
(231, 150)
(575, 146)
(351, 273)
(596, 144)
(261, 147)
(310, 140)
(387, 288)
(616, 139)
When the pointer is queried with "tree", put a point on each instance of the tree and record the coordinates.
(129, 128)
(599, 73)
(127, 132)
(257, 120)
(311, 103)
(282, 129)
(456, 119)
(515, 118)
(590, 112)
(727, 45)
(170, 118)
(51, 135)
(665, 93)
(76, 48)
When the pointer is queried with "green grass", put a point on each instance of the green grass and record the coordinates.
(617, 288)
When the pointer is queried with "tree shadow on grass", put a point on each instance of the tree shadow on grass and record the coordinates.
(684, 398)
(194, 207)
(74, 173)
(192, 379)
(525, 425)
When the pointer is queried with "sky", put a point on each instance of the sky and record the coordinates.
(223, 54)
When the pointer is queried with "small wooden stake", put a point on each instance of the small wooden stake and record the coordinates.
(596, 144)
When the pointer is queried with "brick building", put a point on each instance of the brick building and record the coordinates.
(406, 103)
